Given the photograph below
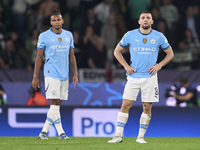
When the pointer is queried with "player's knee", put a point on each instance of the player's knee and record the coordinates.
(125, 107)
(147, 108)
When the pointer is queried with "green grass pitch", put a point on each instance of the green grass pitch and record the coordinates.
(97, 143)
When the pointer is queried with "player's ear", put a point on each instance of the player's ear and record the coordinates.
(62, 21)
(139, 21)
(152, 22)
(50, 21)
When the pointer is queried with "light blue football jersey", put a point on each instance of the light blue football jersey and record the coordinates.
(144, 50)
(56, 49)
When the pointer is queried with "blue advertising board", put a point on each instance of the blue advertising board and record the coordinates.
(102, 94)
(100, 122)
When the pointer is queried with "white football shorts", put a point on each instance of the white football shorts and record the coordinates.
(148, 87)
(56, 89)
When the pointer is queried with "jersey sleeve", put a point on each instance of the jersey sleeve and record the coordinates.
(41, 42)
(125, 40)
(72, 41)
(164, 42)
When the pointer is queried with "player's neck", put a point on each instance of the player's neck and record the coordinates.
(143, 31)
(57, 31)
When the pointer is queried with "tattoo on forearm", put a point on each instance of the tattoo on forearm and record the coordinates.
(71, 64)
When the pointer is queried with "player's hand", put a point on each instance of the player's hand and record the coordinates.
(154, 69)
(130, 70)
(75, 80)
(35, 83)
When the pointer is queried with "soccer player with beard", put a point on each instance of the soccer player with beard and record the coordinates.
(144, 44)
(58, 47)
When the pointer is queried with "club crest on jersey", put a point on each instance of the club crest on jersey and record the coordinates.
(144, 40)
(66, 39)
(60, 39)
(153, 41)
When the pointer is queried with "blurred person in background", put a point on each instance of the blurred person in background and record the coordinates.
(9, 55)
(169, 12)
(36, 98)
(17, 41)
(189, 21)
(193, 46)
(31, 46)
(3, 97)
(135, 8)
(91, 20)
(182, 58)
(46, 9)
(19, 9)
(109, 35)
(185, 94)
(89, 42)
(98, 56)
(102, 10)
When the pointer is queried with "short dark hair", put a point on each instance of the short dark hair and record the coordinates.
(145, 12)
(55, 12)
(183, 80)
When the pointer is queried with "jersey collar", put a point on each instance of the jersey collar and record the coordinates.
(54, 32)
(145, 34)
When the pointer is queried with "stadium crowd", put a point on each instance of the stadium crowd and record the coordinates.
(97, 26)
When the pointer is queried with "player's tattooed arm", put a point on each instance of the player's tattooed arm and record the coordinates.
(73, 66)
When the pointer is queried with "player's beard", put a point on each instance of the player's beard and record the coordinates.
(146, 27)
(57, 28)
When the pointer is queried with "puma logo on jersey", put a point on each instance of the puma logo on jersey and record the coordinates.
(137, 40)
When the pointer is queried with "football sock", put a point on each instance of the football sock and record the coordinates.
(144, 123)
(121, 121)
(57, 118)
(49, 121)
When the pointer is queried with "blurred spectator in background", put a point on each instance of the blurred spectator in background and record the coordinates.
(135, 8)
(78, 48)
(185, 94)
(91, 20)
(109, 19)
(1, 17)
(192, 46)
(162, 27)
(102, 10)
(182, 59)
(36, 98)
(8, 55)
(32, 14)
(3, 97)
(89, 42)
(116, 14)
(31, 46)
(19, 9)
(170, 13)
(189, 21)
(46, 9)
(8, 21)
(2, 40)
(109, 34)
(98, 56)
(157, 18)
(14, 59)
(18, 44)
(196, 10)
